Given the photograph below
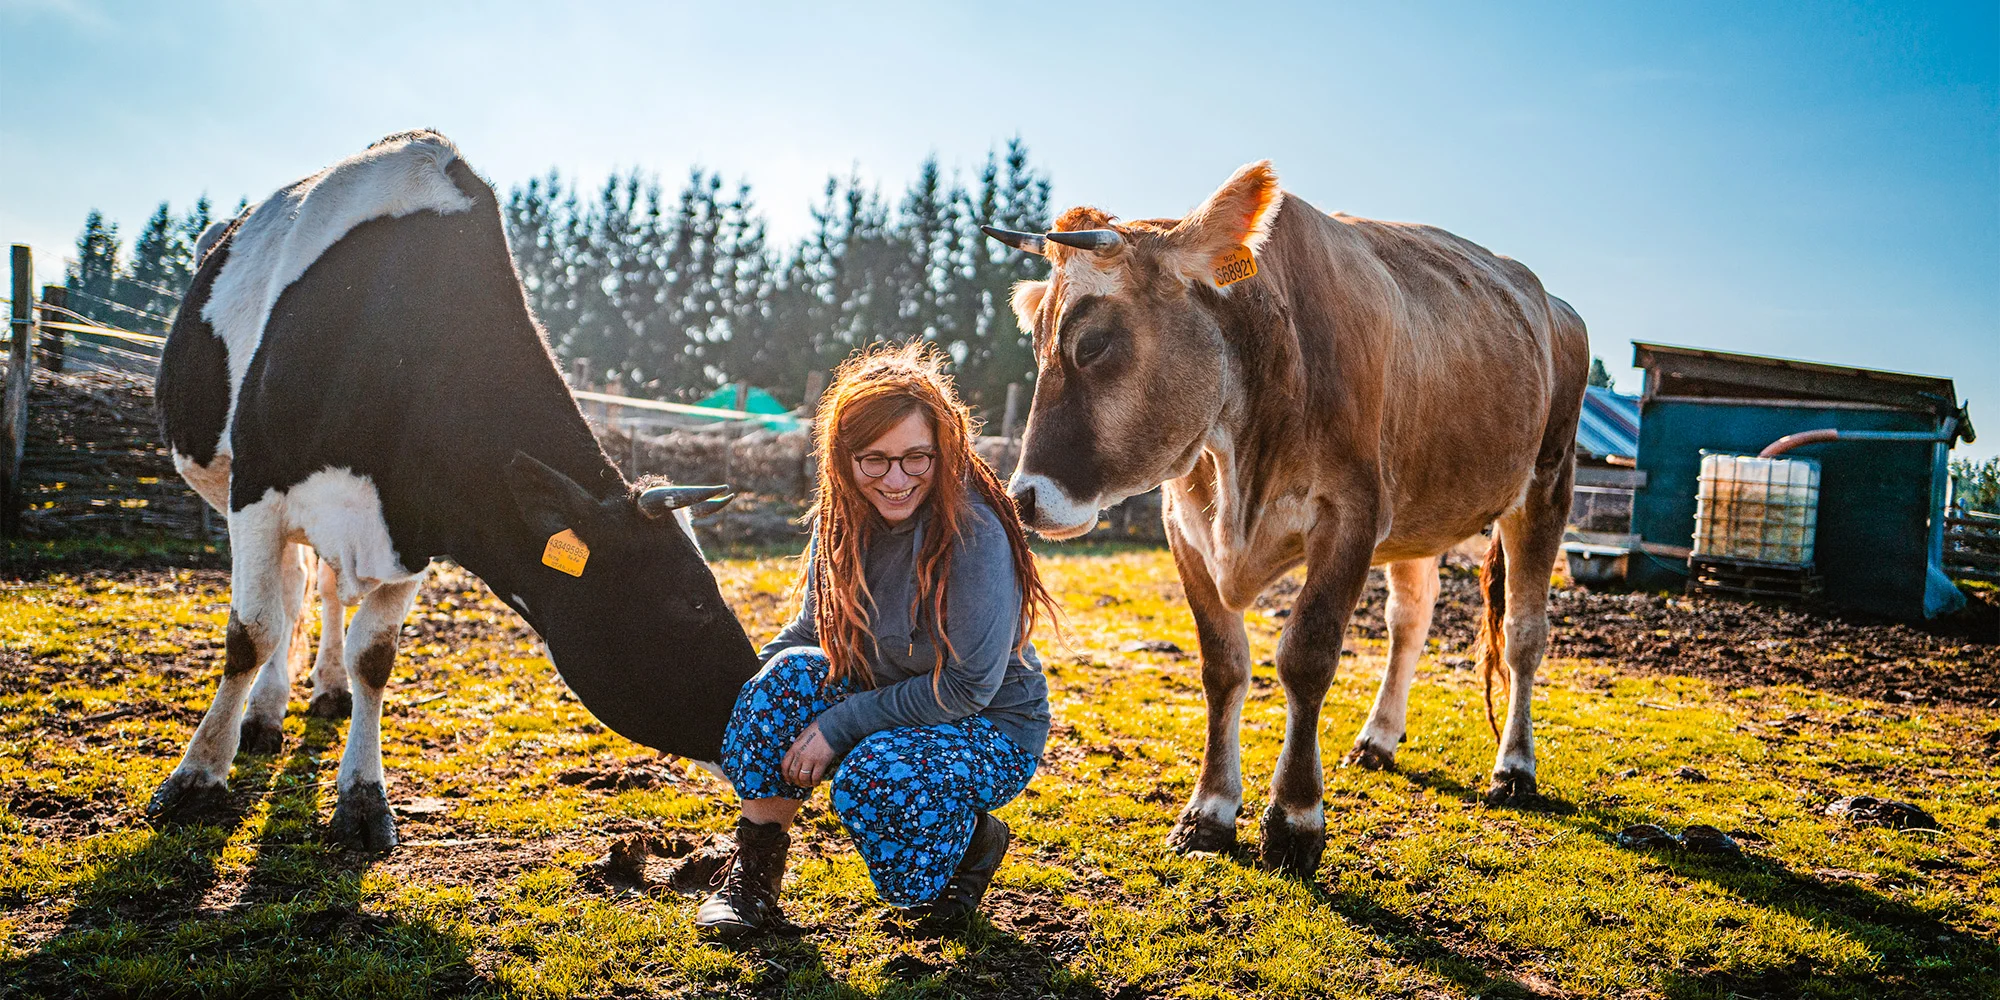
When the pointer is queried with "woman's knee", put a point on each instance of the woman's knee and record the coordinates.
(879, 782)
(863, 768)
(792, 672)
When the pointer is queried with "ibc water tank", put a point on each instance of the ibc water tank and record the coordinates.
(1757, 509)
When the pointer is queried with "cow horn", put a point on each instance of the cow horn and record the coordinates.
(1029, 242)
(707, 507)
(1097, 240)
(661, 499)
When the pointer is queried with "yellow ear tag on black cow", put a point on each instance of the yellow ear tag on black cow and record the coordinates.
(566, 552)
(1232, 266)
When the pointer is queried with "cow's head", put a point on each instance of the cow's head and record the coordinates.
(638, 629)
(1129, 349)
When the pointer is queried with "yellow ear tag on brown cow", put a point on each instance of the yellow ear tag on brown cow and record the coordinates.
(1232, 266)
(566, 552)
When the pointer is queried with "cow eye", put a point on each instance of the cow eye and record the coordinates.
(1091, 346)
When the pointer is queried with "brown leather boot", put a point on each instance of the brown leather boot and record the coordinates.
(953, 908)
(746, 898)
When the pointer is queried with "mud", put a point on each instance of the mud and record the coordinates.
(1954, 661)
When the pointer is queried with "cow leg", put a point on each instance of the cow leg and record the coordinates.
(1209, 821)
(1413, 591)
(361, 818)
(330, 698)
(259, 632)
(1308, 654)
(1530, 537)
(263, 722)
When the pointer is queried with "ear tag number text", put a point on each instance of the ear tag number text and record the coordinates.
(566, 552)
(1233, 266)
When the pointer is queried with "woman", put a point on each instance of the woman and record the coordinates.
(908, 677)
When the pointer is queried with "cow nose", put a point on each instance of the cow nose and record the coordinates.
(1024, 501)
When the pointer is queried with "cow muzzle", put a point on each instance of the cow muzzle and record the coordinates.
(1049, 509)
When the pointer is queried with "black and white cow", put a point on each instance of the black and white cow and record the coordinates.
(355, 373)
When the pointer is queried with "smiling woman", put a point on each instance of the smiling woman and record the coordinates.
(908, 676)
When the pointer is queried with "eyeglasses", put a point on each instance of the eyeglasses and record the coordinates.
(914, 464)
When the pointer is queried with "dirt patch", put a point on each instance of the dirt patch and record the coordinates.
(54, 814)
(1953, 661)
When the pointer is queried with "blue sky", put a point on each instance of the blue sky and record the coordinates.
(1818, 180)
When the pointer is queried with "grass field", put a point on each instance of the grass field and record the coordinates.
(507, 792)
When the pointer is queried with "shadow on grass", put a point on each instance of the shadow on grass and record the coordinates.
(1423, 944)
(1915, 950)
(145, 923)
(1446, 948)
(996, 964)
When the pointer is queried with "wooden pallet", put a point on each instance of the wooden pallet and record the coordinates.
(1972, 545)
(1745, 578)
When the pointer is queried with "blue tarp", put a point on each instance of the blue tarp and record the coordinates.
(1609, 425)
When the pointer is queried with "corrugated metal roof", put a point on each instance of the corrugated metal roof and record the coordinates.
(1608, 426)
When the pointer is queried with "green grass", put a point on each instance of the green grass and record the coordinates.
(1423, 891)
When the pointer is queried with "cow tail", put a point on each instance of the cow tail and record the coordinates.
(1492, 640)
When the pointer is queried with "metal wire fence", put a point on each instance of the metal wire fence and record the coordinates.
(80, 449)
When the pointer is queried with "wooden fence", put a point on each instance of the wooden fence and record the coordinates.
(1972, 545)
(82, 449)
(81, 453)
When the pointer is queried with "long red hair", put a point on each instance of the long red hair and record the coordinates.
(871, 393)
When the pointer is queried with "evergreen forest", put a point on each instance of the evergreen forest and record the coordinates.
(671, 293)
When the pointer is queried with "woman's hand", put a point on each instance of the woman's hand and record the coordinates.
(808, 760)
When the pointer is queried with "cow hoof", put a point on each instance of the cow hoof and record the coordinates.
(1511, 788)
(259, 736)
(1289, 846)
(1366, 755)
(361, 819)
(188, 799)
(1197, 832)
(333, 703)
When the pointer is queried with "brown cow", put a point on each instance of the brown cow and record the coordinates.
(1315, 389)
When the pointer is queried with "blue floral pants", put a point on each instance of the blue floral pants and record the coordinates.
(908, 796)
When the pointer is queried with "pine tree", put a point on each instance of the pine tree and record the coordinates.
(804, 315)
(593, 236)
(192, 225)
(747, 346)
(93, 278)
(198, 219)
(865, 265)
(628, 237)
(1600, 377)
(1976, 485)
(924, 229)
(996, 350)
(152, 286)
(543, 229)
(695, 294)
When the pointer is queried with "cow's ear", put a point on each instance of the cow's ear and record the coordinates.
(1236, 218)
(548, 500)
(1028, 296)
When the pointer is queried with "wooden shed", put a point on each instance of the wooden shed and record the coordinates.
(1882, 441)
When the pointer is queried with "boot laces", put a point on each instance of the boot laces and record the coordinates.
(738, 879)
(725, 874)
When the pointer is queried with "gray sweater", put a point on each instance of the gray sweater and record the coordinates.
(983, 610)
